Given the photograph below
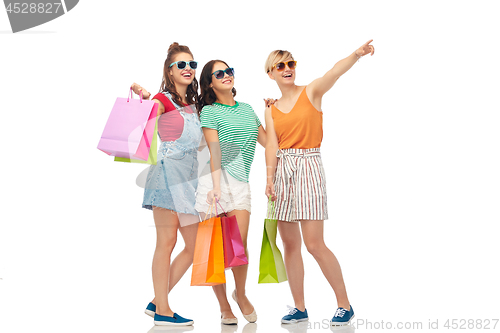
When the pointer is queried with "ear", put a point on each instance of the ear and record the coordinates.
(270, 75)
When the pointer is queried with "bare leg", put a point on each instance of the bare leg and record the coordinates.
(202, 216)
(166, 236)
(240, 272)
(292, 242)
(225, 308)
(184, 259)
(312, 231)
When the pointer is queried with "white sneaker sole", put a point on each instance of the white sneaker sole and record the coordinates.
(293, 321)
(166, 323)
(149, 313)
(341, 324)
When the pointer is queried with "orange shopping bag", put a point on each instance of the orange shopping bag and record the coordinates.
(208, 261)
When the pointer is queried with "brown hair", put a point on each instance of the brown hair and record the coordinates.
(207, 93)
(275, 57)
(168, 86)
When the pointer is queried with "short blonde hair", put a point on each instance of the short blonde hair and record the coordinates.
(275, 57)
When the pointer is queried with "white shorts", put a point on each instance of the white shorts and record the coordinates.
(241, 196)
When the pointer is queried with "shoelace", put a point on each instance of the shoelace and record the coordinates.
(339, 313)
(291, 310)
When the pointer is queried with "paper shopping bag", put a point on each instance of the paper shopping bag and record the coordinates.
(208, 261)
(129, 129)
(271, 266)
(153, 151)
(234, 251)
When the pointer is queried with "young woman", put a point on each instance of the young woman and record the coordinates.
(171, 183)
(231, 130)
(296, 179)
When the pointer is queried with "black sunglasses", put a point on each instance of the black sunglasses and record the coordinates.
(220, 73)
(182, 64)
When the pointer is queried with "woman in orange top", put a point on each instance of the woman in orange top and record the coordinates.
(296, 179)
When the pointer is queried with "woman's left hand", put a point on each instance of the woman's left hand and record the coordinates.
(365, 49)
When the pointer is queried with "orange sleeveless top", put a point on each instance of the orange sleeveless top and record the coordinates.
(301, 128)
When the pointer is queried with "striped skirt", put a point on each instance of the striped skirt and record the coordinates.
(300, 186)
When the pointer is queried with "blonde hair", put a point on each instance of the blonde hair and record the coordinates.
(275, 57)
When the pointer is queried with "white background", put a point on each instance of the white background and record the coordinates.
(411, 153)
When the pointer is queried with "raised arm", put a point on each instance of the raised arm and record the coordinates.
(271, 149)
(136, 88)
(212, 138)
(317, 88)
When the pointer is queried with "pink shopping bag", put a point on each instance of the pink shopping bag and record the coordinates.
(130, 128)
(234, 251)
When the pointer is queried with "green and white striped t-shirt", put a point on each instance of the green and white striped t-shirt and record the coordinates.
(238, 128)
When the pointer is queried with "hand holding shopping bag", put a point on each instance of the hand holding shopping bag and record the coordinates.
(130, 128)
(234, 251)
(271, 266)
(208, 261)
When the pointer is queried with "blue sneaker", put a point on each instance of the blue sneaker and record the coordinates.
(294, 316)
(176, 320)
(150, 310)
(342, 317)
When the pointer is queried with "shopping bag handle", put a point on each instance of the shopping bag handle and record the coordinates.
(220, 207)
(270, 206)
(132, 96)
(210, 208)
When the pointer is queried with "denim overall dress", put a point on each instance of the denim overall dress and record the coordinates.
(172, 182)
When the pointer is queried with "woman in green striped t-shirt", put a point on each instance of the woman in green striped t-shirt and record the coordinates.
(231, 130)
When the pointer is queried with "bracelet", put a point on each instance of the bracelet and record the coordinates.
(359, 57)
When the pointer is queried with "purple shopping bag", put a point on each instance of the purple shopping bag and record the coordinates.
(130, 128)
(234, 252)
